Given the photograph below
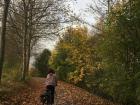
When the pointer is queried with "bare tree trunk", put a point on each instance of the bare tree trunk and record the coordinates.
(24, 61)
(28, 57)
(108, 1)
(31, 5)
(3, 33)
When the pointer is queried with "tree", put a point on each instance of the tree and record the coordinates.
(42, 62)
(119, 51)
(3, 33)
(74, 60)
(32, 21)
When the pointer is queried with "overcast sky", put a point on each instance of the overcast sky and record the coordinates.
(79, 7)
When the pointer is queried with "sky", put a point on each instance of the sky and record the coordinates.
(79, 7)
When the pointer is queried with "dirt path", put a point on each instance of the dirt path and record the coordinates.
(66, 94)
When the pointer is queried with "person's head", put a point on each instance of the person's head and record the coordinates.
(51, 71)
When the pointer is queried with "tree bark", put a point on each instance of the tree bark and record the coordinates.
(3, 33)
(28, 58)
(24, 49)
(30, 34)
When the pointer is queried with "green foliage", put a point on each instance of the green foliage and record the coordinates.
(61, 64)
(42, 62)
(120, 53)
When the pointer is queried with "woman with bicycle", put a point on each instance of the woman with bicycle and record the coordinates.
(51, 83)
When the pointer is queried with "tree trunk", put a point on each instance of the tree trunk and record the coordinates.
(31, 5)
(28, 58)
(108, 3)
(3, 33)
(24, 49)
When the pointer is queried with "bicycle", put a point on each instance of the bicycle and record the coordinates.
(46, 98)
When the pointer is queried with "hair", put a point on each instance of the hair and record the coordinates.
(51, 71)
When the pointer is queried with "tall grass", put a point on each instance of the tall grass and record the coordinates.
(12, 73)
